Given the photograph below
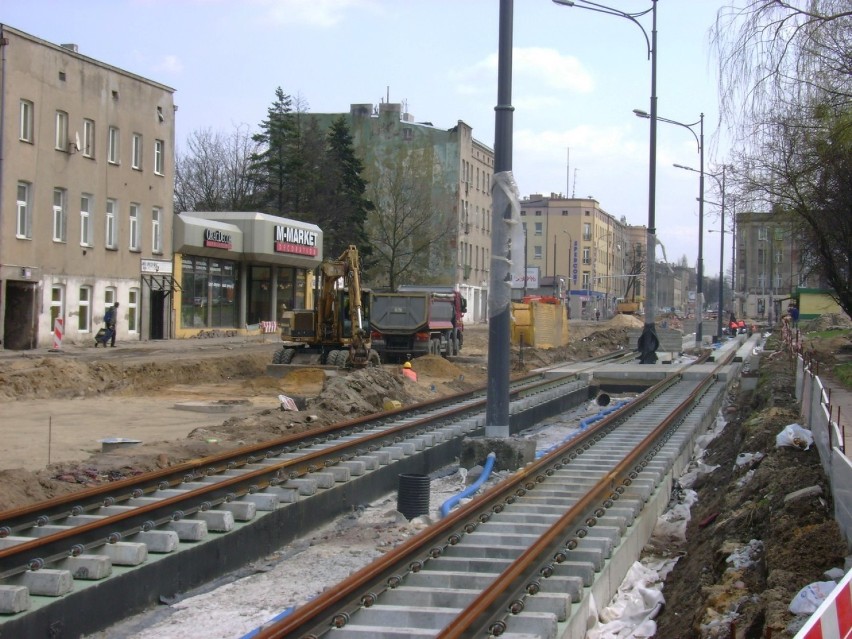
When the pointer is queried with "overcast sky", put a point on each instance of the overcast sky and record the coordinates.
(577, 76)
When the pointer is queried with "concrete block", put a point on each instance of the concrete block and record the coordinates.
(356, 468)
(395, 452)
(285, 495)
(125, 553)
(45, 583)
(341, 473)
(188, 529)
(323, 479)
(216, 520)
(14, 540)
(263, 501)
(88, 567)
(305, 486)
(14, 599)
(46, 531)
(157, 541)
(241, 510)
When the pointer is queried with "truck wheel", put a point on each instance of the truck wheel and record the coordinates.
(288, 355)
(278, 356)
(373, 358)
(331, 358)
(435, 347)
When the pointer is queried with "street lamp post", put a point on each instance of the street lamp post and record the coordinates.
(499, 303)
(699, 290)
(721, 184)
(648, 340)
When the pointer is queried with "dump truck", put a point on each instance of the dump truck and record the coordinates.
(417, 321)
(337, 331)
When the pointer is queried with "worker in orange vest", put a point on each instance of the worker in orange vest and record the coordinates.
(408, 372)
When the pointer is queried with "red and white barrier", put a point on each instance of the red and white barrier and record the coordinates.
(833, 619)
(58, 332)
(268, 327)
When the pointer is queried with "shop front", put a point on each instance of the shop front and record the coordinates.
(237, 271)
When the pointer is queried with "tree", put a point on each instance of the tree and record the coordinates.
(341, 205)
(404, 224)
(276, 163)
(214, 172)
(786, 74)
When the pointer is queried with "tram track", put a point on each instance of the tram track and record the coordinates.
(70, 548)
(524, 559)
(121, 547)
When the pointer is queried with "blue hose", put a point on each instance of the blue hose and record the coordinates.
(583, 425)
(486, 471)
(278, 617)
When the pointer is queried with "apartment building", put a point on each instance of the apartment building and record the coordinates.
(592, 256)
(86, 187)
(458, 170)
(769, 267)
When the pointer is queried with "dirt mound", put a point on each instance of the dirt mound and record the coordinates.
(625, 321)
(435, 366)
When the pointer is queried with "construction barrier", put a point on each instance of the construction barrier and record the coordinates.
(58, 332)
(833, 619)
(540, 323)
(268, 327)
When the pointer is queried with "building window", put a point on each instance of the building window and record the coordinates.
(587, 257)
(136, 151)
(761, 233)
(538, 228)
(134, 227)
(133, 310)
(538, 213)
(156, 234)
(57, 304)
(113, 151)
(537, 252)
(84, 310)
(564, 213)
(159, 148)
(586, 280)
(111, 235)
(59, 215)
(24, 221)
(61, 141)
(89, 138)
(26, 134)
(86, 220)
(587, 231)
(110, 297)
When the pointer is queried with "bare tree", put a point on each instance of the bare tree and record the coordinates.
(213, 173)
(403, 225)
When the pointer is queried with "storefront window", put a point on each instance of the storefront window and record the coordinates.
(209, 293)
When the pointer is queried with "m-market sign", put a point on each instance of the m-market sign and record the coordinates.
(289, 239)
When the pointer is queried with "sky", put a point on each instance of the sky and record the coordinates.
(577, 77)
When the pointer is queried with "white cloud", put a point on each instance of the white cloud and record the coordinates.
(533, 67)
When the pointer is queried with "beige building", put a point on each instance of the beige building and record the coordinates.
(86, 186)
(587, 251)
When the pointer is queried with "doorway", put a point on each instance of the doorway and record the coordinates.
(157, 315)
(20, 328)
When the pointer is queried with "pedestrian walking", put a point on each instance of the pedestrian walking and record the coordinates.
(597, 315)
(110, 320)
(793, 312)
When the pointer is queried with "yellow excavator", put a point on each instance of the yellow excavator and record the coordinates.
(336, 332)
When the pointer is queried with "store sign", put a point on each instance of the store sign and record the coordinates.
(158, 267)
(217, 239)
(292, 240)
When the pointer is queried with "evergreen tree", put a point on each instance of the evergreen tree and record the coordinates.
(341, 205)
(273, 166)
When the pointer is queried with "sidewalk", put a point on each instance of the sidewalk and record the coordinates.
(139, 348)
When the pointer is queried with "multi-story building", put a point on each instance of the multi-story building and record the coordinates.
(458, 169)
(572, 241)
(768, 266)
(86, 188)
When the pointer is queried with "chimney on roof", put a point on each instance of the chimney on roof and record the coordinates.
(70, 47)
